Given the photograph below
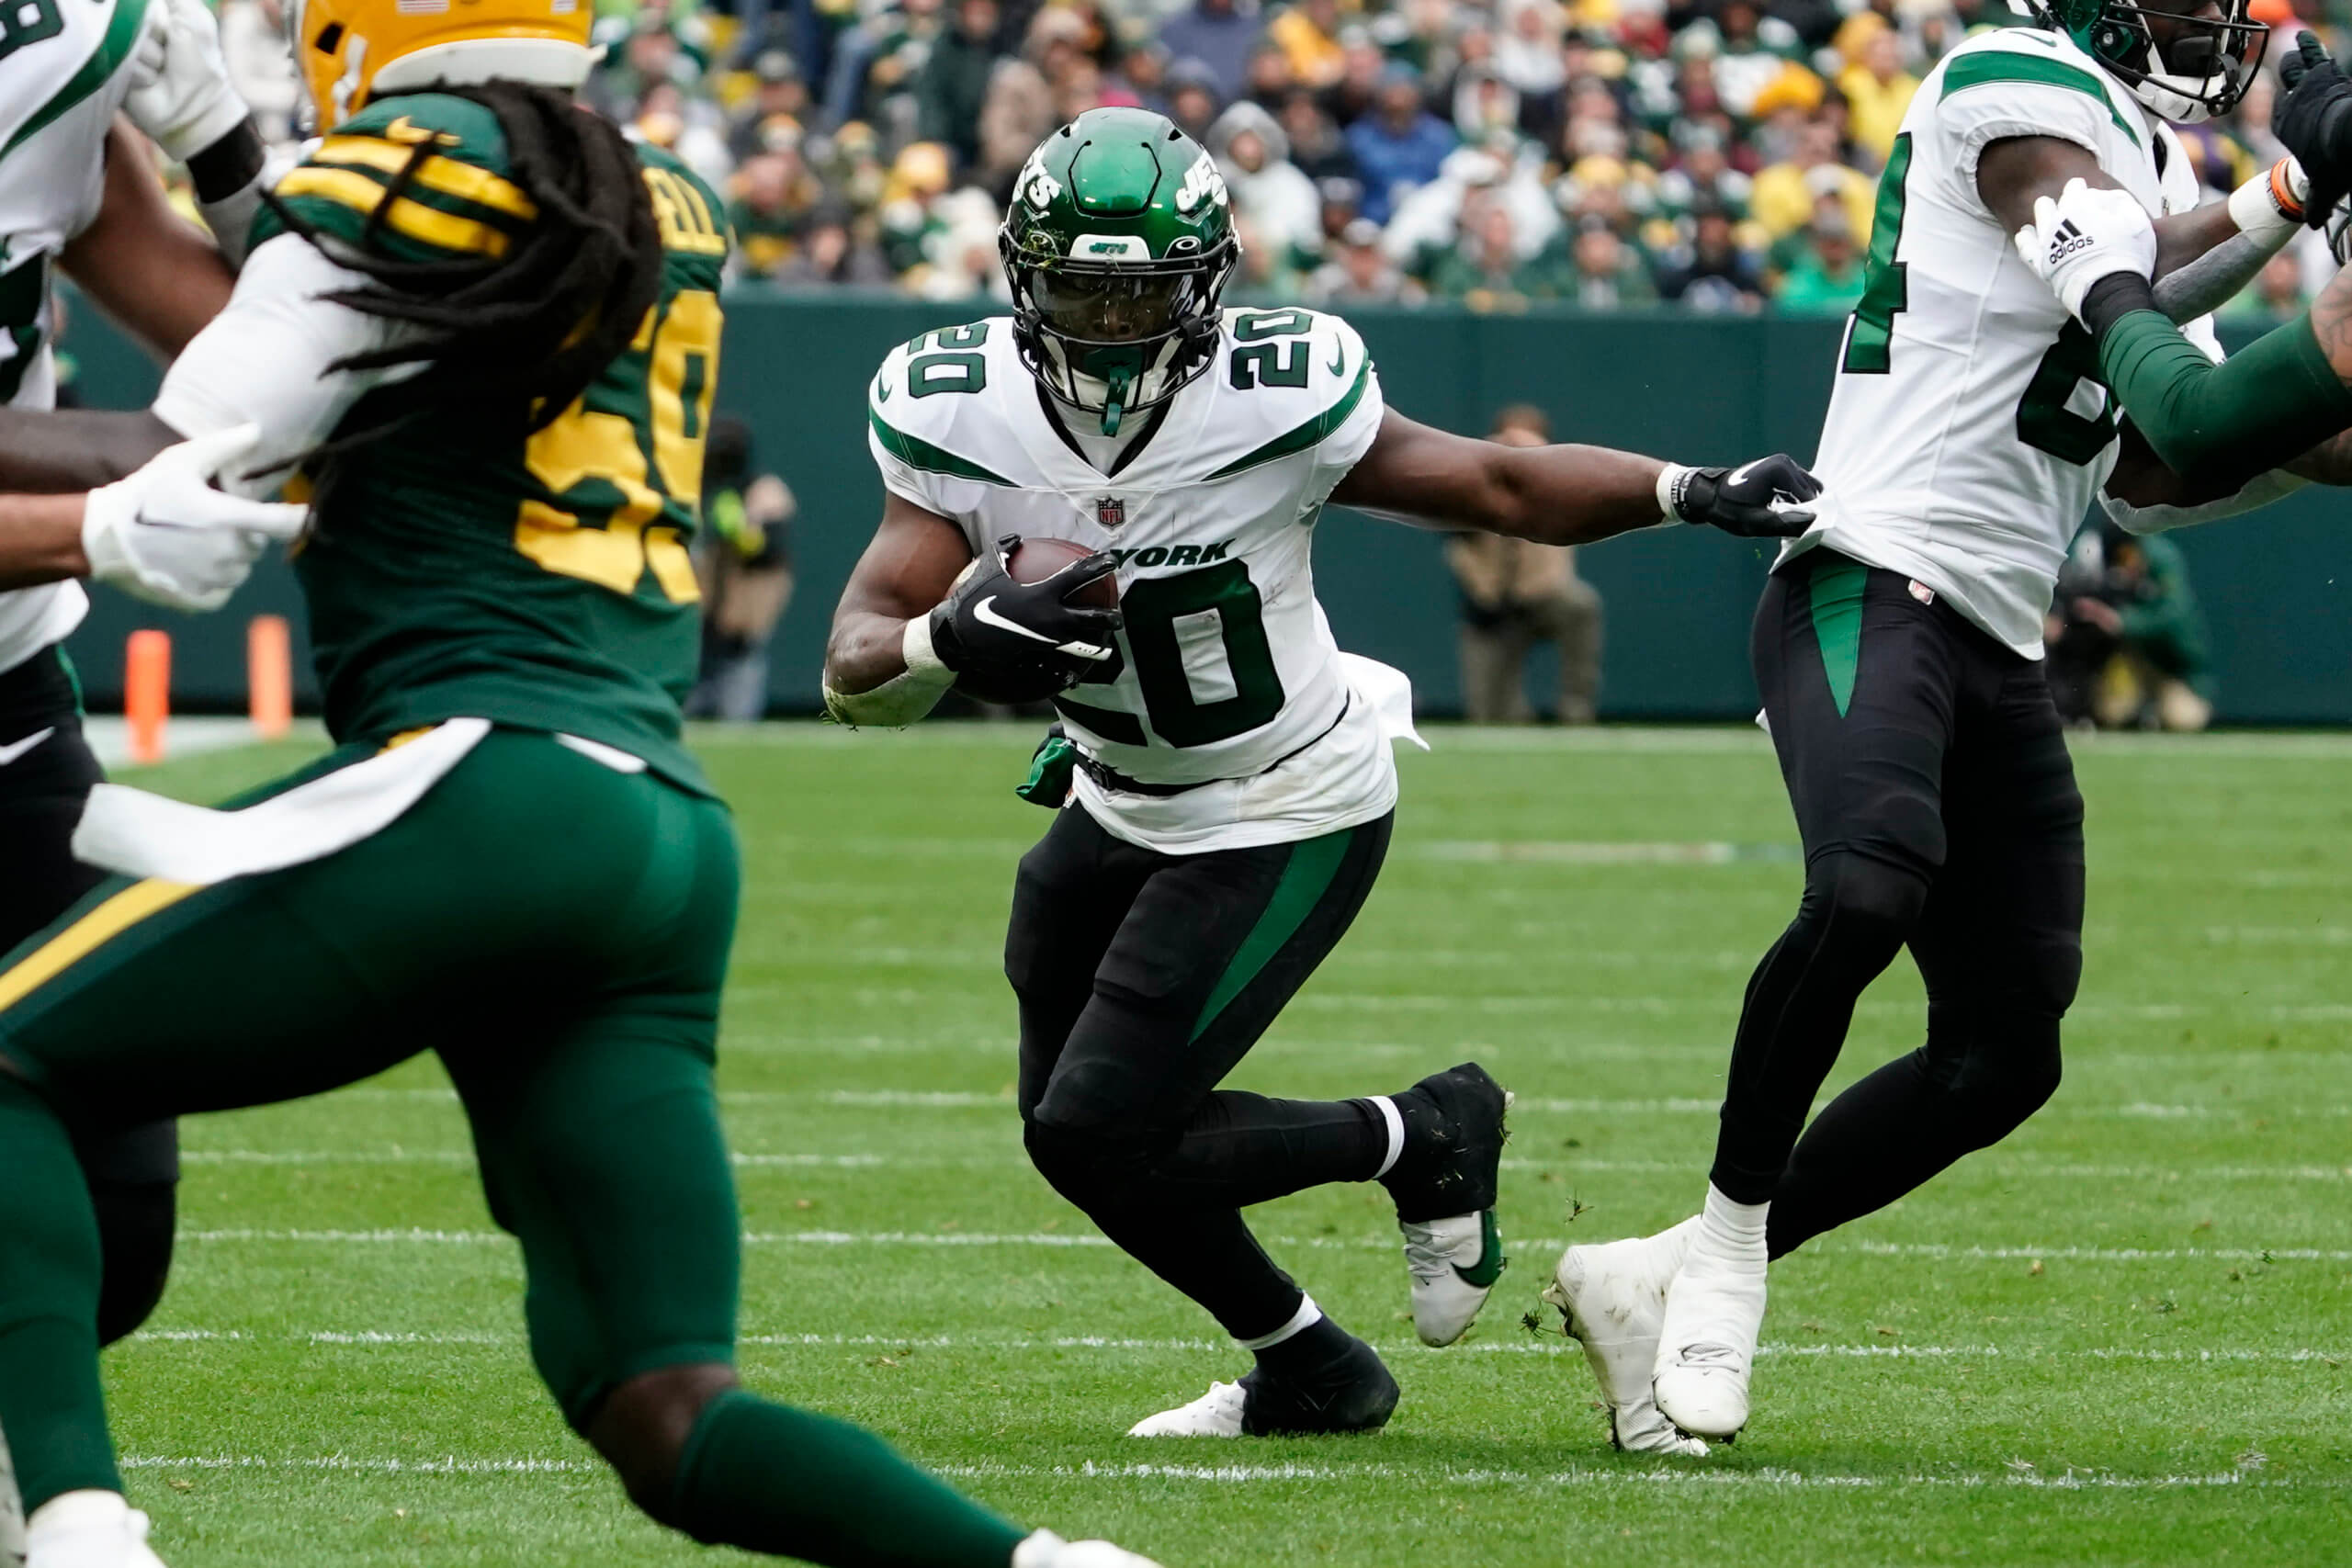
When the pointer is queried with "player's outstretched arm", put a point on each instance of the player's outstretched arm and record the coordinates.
(1565, 494)
(152, 271)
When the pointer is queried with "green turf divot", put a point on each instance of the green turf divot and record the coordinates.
(1836, 594)
(1313, 863)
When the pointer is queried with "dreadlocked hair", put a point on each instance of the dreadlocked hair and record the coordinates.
(520, 335)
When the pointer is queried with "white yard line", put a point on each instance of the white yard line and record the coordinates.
(2020, 1475)
(1057, 1240)
(1550, 1345)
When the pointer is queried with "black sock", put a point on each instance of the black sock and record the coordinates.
(1307, 1354)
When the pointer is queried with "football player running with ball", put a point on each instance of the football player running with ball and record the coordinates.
(485, 328)
(1233, 791)
(1898, 649)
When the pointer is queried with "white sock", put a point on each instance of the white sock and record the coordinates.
(1737, 1227)
(1396, 1121)
(1307, 1316)
(85, 1510)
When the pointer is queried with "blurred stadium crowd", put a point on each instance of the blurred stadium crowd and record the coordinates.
(1715, 154)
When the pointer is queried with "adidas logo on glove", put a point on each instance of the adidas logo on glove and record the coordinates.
(2069, 240)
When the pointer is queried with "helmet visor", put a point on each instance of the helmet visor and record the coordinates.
(1109, 305)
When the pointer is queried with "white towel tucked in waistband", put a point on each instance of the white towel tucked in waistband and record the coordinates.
(138, 834)
(1389, 694)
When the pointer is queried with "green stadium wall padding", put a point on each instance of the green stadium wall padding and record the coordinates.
(2276, 588)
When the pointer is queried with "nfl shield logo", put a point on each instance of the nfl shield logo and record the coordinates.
(1110, 510)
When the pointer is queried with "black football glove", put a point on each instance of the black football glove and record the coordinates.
(2313, 117)
(1023, 635)
(1753, 501)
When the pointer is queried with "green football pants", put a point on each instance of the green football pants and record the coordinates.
(555, 930)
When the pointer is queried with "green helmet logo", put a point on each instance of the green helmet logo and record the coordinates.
(2184, 67)
(1117, 245)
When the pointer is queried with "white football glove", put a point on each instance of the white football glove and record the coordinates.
(166, 535)
(2089, 233)
(1047, 1550)
(180, 93)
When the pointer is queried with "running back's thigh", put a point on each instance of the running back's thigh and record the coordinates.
(1859, 688)
(1074, 889)
(1212, 948)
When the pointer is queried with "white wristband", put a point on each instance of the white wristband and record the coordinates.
(922, 659)
(2259, 207)
(1670, 478)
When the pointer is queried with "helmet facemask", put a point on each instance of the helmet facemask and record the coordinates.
(1112, 337)
(2201, 70)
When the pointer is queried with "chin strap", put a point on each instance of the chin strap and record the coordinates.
(1121, 383)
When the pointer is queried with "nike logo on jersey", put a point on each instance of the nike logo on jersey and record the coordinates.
(14, 750)
(1340, 360)
(881, 392)
(987, 615)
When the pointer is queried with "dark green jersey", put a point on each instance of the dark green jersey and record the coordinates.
(543, 582)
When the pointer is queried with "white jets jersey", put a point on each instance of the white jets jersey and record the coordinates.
(65, 66)
(1227, 678)
(1968, 432)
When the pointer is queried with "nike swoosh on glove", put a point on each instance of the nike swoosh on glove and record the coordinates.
(2088, 233)
(990, 624)
(2312, 116)
(165, 535)
(1762, 499)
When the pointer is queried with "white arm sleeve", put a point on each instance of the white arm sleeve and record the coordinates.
(263, 360)
(2257, 491)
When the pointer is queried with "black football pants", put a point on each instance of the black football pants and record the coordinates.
(133, 1171)
(1143, 980)
(1937, 803)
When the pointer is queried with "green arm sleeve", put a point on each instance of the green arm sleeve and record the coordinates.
(2260, 408)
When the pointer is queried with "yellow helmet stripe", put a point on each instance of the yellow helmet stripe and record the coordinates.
(362, 194)
(445, 176)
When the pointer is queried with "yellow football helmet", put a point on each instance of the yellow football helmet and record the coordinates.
(350, 51)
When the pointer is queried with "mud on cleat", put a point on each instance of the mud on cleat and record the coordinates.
(1444, 1182)
(1611, 1299)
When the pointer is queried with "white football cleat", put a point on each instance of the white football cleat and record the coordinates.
(1714, 1309)
(88, 1529)
(1454, 1264)
(1612, 1301)
(12, 1514)
(1216, 1414)
(1047, 1550)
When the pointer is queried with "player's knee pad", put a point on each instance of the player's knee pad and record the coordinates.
(135, 1224)
(644, 1426)
(1858, 910)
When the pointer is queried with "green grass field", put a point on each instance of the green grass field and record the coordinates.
(2121, 1338)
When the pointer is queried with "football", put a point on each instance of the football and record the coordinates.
(1034, 561)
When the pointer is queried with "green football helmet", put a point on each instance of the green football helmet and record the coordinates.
(2186, 68)
(1117, 245)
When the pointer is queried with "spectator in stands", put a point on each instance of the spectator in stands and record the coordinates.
(1711, 271)
(1827, 279)
(1279, 204)
(1142, 75)
(1703, 173)
(1308, 31)
(954, 83)
(1485, 269)
(876, 64)
(1878, 90)
(1316, 145)
(1752, 52)
(1527, 56)
(1355, 94)
(1606, 273)
(1359, 274)
(745, 567)
(1018, 113)
(836, 248)
(1786, 193)
(1516, 595)
(1193, 99)
(1270, 80)
(774, 199)
(2126, 640)
(1218, 35)
(1399, 144)
(780, 97)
